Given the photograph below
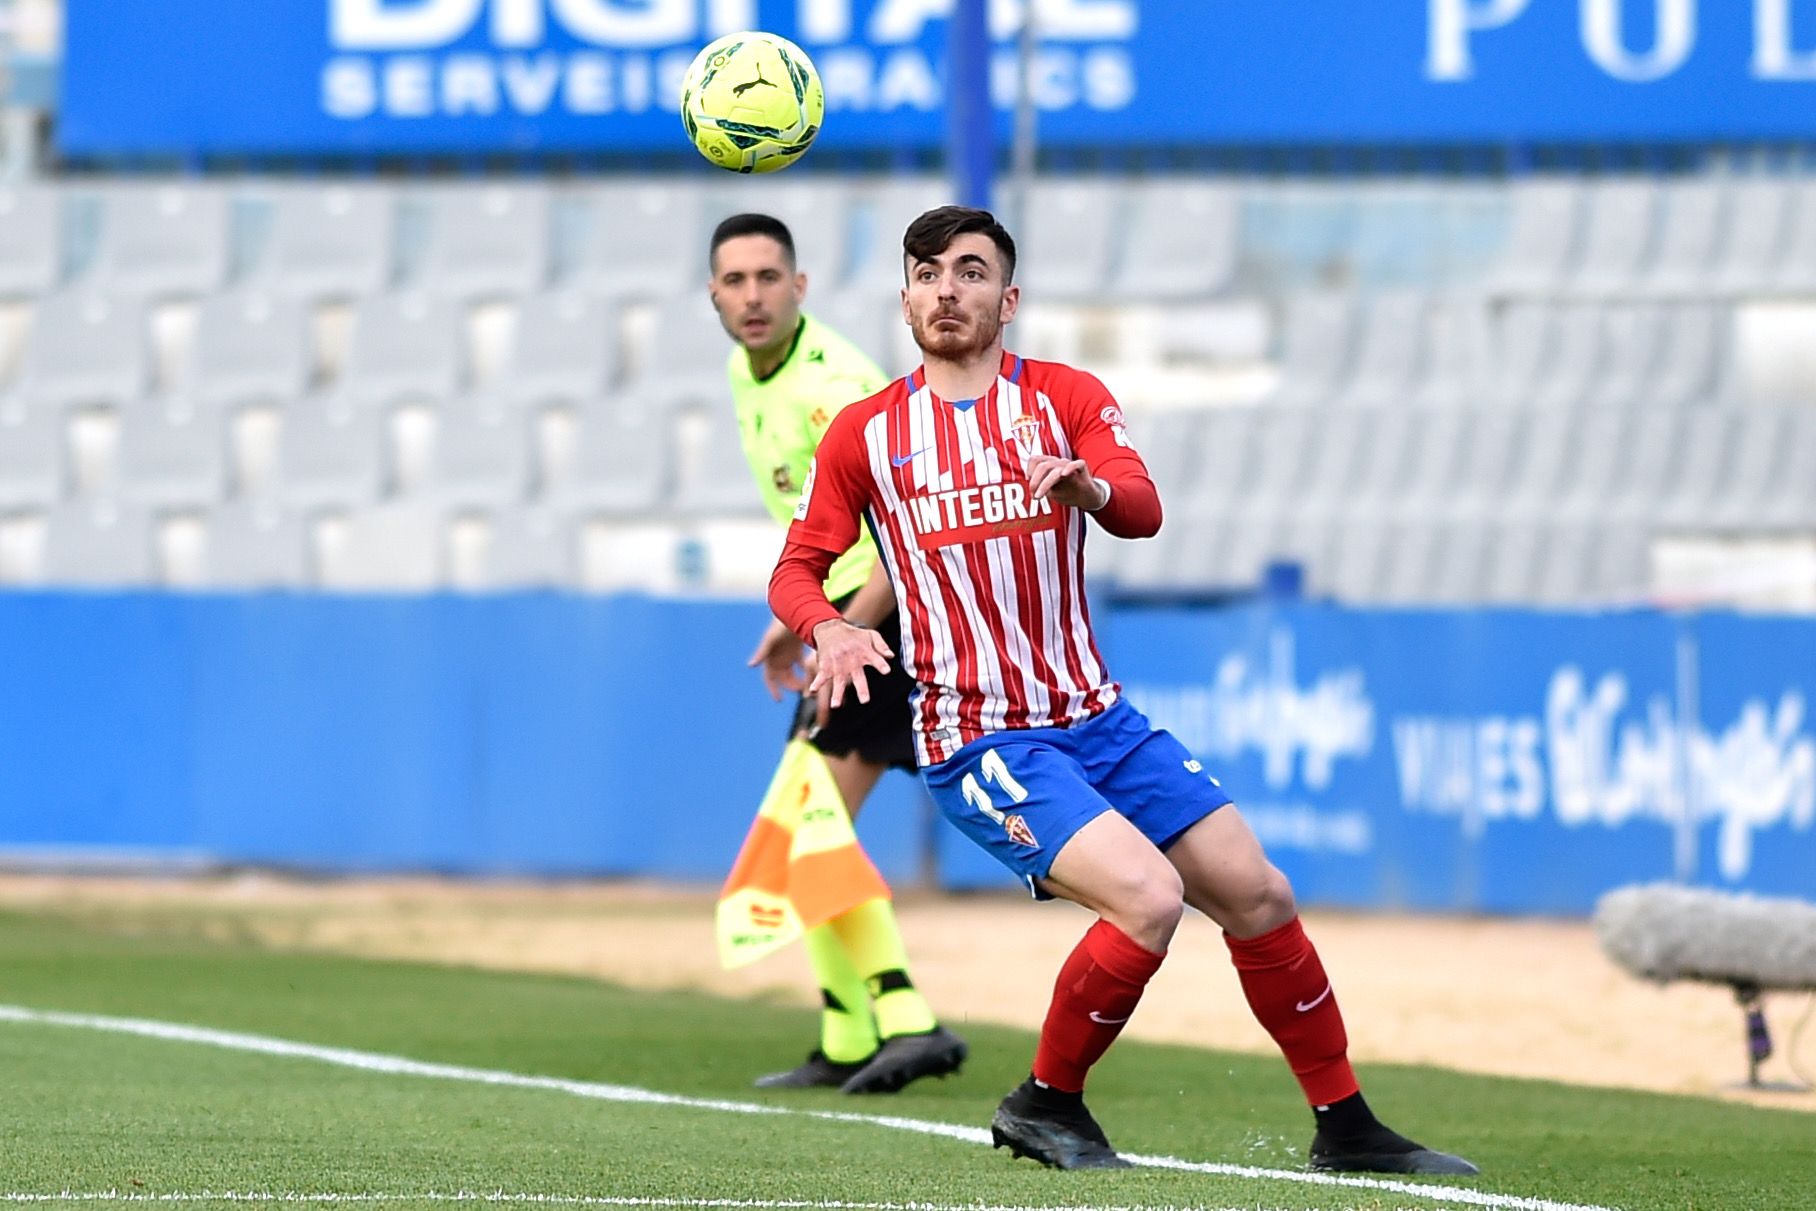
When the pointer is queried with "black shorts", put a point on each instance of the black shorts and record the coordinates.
(881, 730)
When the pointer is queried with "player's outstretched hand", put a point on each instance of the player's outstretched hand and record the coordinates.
(1067, 480)
(780, 654)
(845, 651)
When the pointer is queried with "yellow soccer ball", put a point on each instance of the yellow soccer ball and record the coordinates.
(752, 102)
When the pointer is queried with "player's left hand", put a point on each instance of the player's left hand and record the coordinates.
(1067, 480)
(845, 651)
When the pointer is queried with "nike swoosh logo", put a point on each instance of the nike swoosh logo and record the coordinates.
(1103, 1021)
(1308, 1006)
(902, 460)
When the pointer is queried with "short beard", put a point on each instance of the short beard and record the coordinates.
(968, 349)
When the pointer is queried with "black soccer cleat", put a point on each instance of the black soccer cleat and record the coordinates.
(816, 1072)
(1058, 1136)
(1386, 1151)
(908, 1057)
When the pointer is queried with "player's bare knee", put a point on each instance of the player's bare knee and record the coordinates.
(1262, 904)
(1149, 911)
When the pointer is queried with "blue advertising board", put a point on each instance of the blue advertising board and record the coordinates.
(579, 76)
(1499, 761)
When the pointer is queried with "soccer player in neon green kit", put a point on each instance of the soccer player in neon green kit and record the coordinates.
(790, 375)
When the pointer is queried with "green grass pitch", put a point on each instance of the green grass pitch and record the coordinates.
(111, 1117)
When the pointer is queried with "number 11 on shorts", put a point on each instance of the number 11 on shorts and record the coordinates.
(997, 774)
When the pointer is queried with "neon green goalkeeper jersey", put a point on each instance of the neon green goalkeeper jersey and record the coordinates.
(782, 419)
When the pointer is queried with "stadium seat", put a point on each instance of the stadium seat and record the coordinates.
(161, 240)
(1068, 238)
(31, 244)
(1408, 561)
(172, 452)
(817, 211)
(1459, 559)
(31, 454)
(1525, 336)
(1619, 228)
(1358, 571)
(1795, 270)
(254, 544)
(330, 453)
(1603, 445)
(564, 347)
(482, 453)
(530, 548)
(1763, 441)
(1651, 449)
(250, 347)
(404, 346)
(1704, 445)
(1539, 472)
(1316, 347)
(686, 353)
(1567, 372)
(1390, 351)
(1564, 572)
(1791, 504)
(393, 547)
(1621, 561)
(1693, 222)
(1181, 239)
(485, 241)
(1510, 567)
(881, 215)
(1693, 355)
(1459, 354)
(84, 349)
(1493, 453)
(713, 477)
(871, 319)
(1542, 236)
(644, 240)
(622, 459)
(98, 544)
(328, 241)
(1751, 245)
(1628, 361)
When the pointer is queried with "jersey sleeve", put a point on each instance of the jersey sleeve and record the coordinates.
(1100, 436)
(834, 498)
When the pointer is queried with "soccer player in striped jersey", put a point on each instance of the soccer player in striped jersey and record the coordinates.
(979, 474)
(790, 375)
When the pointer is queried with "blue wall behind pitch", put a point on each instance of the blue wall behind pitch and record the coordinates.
(538, 733)
(1492, 760)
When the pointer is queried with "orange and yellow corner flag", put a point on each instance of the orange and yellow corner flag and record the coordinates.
(801, 864)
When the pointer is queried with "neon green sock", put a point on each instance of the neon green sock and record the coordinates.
(873, 944)
(847, 1026)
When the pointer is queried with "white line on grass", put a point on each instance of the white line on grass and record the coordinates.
(400, 1066)
(558, 1200)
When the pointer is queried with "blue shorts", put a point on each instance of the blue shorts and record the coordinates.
(1022, 794)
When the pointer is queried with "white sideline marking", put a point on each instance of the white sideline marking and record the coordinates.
(370, 1061)
(558, 1200)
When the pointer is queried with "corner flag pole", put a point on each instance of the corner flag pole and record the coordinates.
(970, 121)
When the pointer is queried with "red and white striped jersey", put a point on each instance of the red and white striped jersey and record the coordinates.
(989, 580)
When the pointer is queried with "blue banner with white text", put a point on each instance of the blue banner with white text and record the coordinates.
(1501, 761)
(595, 76)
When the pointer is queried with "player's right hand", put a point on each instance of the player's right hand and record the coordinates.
(780, 655)
(845, 651)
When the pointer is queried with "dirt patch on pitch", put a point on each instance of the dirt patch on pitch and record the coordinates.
(1516, 998)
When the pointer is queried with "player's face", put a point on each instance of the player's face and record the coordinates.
(757, 292)
(957, 302)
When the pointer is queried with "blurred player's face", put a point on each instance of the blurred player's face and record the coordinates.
(957, 302)
(757, 292)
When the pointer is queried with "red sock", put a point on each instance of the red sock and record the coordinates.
(1291, 996)
(1097, 990)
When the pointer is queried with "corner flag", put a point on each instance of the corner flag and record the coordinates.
(801, 864)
